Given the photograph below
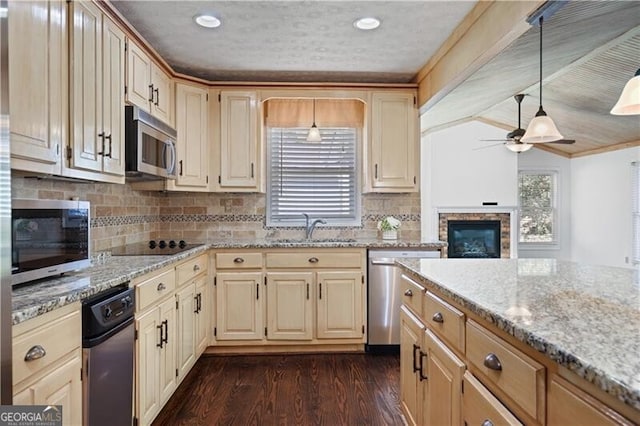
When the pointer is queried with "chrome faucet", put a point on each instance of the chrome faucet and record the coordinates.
(310, 226)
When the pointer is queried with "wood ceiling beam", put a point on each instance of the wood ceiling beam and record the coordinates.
(488, 29)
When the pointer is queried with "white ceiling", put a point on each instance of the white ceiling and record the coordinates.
(296, 41)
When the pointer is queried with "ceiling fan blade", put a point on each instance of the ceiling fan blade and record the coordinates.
(496, 140)
(488, 146)
(564, 141)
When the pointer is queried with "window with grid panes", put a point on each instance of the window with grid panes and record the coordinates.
(316, 178)
(537, 193)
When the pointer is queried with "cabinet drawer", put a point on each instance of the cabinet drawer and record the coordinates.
(154, 289)
(314, 260)
(520, 378)
(412, 294)
(58, 336)
(479, 406)
(445, 320)
(191, 268)
(238, 260)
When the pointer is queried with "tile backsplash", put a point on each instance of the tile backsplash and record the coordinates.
(122, 215)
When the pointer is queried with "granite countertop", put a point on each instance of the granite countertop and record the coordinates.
(33, 299)
(584, 317)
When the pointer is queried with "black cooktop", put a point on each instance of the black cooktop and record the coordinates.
(153, 248)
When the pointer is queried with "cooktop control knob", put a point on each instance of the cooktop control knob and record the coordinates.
(182, 244)
(126, 301)
(162, 244)
(152, 244)
(172, 244)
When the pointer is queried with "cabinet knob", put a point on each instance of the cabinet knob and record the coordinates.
(36, 352)
(491, 361)
(437, 317)
(238, 260)
(161, 287)
(487, 422)
(408, 293)
(313, 260)
(196, 268)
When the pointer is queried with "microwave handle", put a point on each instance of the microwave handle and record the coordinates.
(170, 148)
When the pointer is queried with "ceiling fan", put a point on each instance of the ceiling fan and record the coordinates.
(512, 141)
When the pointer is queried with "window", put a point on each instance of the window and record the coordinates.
(635, 200)
(537, 207)
(320, 179)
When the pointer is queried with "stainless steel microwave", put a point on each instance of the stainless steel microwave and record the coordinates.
(150, 147)
(48, 237)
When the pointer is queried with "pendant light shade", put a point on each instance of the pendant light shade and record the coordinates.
(629, 102)
(518, 146)
(542, 128)
(314, 132)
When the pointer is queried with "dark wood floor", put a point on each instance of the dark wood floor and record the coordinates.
(326, 389)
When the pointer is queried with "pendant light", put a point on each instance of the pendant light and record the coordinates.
(314, 132)
(629, 102)
(542, 128)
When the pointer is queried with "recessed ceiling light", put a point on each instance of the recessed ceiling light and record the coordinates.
(207, 21)
(369, 23)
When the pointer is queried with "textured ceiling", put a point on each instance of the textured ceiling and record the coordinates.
(296, 41)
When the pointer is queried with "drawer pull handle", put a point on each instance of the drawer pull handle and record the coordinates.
(238, 260)
(437, 317)
(423, 376)
(313, 260)
(161, 287)
(408, 293)
(491, 361)
(487, 422)
(34, 353)
(196, 268)
(416, 367)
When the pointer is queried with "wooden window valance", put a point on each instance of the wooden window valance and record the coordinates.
(299, 113)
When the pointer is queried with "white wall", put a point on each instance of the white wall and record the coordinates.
(601, 226)
(460, 170)
(536, 159)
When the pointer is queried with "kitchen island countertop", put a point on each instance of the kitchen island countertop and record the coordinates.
(585, 318)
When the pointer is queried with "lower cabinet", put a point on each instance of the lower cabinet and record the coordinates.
(47, 362)
(411, 388)
(238, 306)
(480, 407)
(340, 305)
(289, 305)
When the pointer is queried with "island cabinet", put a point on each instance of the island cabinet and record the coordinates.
(47, 362)
(147, 85)
(276, 299)
(457, 369)
(172, 323)
(38, 84)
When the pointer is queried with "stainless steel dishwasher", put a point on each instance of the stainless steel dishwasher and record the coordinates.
(384, 297)
(107, 355)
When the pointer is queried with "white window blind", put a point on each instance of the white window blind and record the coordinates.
(635, 200)
(319, 179)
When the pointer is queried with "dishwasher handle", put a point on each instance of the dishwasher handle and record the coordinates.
(382, 262)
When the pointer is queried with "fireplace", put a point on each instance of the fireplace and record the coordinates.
(473, 238)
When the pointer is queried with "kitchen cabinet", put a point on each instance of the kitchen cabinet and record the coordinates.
(203, 317)
(340, 305)
(240, 153)
(96, 149)
(47, 362)
(480, 406)
(239, 307)
(147, 85)
(411, 388)
(392, 158)
(290, 305)
(38, 84)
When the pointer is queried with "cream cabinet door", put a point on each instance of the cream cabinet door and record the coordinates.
(394, 154)
(168, 370)
(150, 332)
(162, 86)
(186, 312)
(204, 318)
(239, 306)
(239, 165)
(38, 84)
(139, 90)
(86, 82)
(289, 306)
(193, 142)
(411, 388)
(340, 305)
(444, 371)
(62, 386)
(113, 66)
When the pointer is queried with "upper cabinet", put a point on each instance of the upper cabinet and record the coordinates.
(148, 86)
(393, 152)
(239, 142)
(96, 148)
(38, 82)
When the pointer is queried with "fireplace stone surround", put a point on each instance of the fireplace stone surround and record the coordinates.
(506, 217)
